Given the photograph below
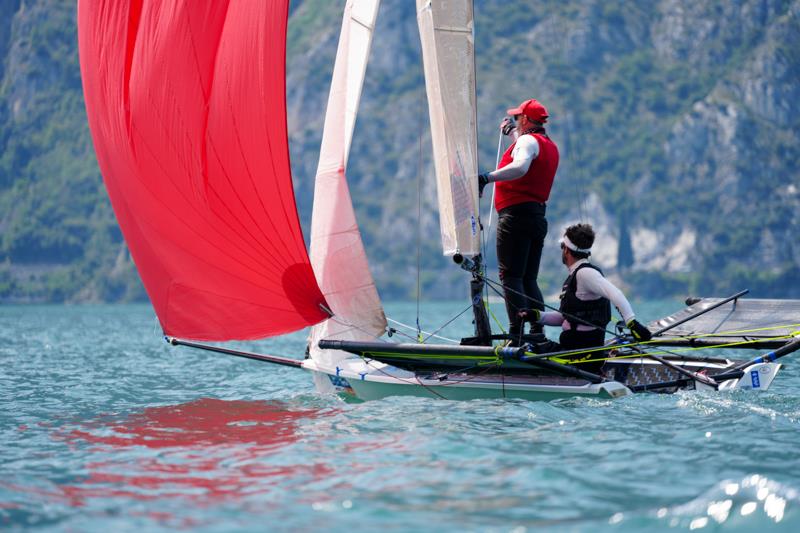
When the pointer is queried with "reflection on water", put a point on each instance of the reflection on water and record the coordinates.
(206, 450)
(732, 501)
(83, 449)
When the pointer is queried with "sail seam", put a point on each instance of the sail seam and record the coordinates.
(335, 233)
(363, 24)
(134, 19)
(452, 29)
(194, 230)
(207, 91)
(354, 287)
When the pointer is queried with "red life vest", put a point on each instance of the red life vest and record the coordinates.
(535, 185)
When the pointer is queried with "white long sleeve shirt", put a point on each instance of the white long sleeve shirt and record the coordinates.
(591, 285)
(524, 152)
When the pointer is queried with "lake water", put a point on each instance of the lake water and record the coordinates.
(103, 427)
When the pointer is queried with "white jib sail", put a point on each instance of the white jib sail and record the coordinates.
(337, 253)
(446, 33)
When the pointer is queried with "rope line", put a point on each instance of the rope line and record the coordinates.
(559, 357)
(490, 281)
(496, 320)
(737, 332)
(468, 308)
(411, 328)
(354, 326)
(419, 382)
(495, 284)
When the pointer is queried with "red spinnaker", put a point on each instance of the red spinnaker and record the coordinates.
(187, 107)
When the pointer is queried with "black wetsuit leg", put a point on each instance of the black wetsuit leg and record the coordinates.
(521, 230)
(575, 340)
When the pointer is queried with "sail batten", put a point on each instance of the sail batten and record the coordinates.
(446, 36)
(187, 108)
(337, 251)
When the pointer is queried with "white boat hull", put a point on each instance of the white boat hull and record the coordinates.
(374, 381)
(355, 378)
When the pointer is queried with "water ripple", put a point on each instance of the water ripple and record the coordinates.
(105, 427)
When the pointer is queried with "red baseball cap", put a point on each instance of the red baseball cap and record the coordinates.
(531, 109)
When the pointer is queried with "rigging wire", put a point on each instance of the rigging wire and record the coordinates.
(496, 164)
(578, 175)
(420, 333)
(486, 233)
(420, 102)
(654, 343)
(418, 380)
(412, 328)
(677, 352)
(440, 328)
(534, 300)
(355, 327)
(495, 284)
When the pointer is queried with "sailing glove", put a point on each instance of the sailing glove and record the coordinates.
(530, 315)
(639, 332)
(483, 181)
(507, 126)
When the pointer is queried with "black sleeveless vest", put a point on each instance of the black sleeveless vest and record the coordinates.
(596, 312)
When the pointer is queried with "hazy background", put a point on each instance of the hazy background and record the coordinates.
(677, 122)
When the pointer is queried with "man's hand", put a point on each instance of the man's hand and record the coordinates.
(483, 181)
(530, 315)
(639, 332)
(507, 126)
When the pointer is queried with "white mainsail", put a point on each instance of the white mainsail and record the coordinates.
(337, 252)
(446, 33)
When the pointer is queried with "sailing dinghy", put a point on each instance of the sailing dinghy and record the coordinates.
(187, 107)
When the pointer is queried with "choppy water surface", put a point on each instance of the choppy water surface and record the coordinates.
(103, 427)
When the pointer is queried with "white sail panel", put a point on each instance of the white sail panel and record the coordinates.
(446, 33)
(337, 252)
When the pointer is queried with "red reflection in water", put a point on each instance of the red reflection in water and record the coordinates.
(202, 423)
(208, 450)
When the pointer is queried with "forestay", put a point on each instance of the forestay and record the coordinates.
(187, 108)
(337, 252)
(446, 33)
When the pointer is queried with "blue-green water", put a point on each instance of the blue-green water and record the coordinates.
(103, 427)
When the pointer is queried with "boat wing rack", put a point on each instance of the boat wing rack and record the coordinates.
(737, 323)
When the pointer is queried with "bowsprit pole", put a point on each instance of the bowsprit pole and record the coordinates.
(278, 360)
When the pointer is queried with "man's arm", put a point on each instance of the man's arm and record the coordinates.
(551, 318)
(590, 280)
(526, 150)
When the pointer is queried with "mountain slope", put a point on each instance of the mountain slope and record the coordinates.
(676, 122)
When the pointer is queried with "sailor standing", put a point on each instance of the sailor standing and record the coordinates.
(523, 180)
(586, 298)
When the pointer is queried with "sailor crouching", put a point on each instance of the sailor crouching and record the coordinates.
(586, 299)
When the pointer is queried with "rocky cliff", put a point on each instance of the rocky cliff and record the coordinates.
(676, 120)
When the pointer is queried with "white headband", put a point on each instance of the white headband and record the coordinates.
(569, 244)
